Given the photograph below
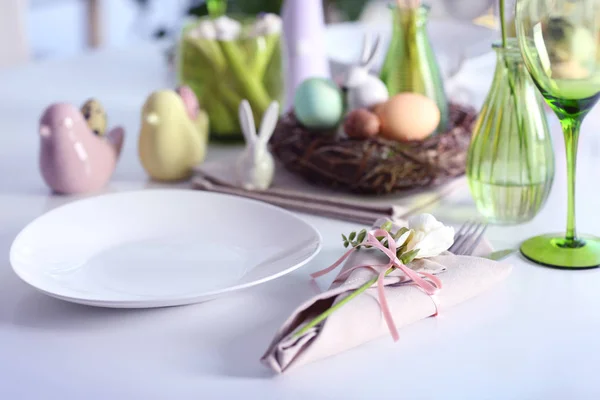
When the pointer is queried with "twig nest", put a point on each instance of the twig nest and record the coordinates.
(408, 117)
(375, 165)
(361, 123)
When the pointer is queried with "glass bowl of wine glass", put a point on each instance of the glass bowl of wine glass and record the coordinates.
(560, 44)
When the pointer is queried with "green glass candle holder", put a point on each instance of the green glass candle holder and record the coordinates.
(410, 64)
(222, 73)
(510, 162)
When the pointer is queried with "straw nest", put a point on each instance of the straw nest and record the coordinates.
(376, 165)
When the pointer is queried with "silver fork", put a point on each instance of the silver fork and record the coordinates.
(467, 238)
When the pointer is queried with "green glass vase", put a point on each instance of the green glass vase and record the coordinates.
(510, 163)
(223, 73)
(410, 64)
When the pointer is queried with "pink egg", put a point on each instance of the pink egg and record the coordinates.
(190, 100)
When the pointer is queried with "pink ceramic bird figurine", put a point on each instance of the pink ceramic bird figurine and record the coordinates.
(72, 158)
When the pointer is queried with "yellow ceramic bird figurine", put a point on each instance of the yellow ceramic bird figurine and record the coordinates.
(171, 142)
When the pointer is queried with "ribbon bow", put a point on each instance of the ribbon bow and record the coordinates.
(427, 282)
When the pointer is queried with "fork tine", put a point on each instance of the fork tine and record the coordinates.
(465, 240)
(459, 243)
(462, 229)
(459, 234)
(476, 240)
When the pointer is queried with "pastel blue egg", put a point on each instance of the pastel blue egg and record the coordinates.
(318, 103)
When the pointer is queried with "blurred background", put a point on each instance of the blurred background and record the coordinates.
(33, 30)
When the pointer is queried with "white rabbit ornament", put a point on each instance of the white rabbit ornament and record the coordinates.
(256, 167)
(364, 89)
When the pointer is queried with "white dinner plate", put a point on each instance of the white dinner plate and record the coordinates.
(157, 248)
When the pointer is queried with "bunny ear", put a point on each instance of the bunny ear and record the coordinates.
(366, 50)
(247, 122)
(370, 51)
(268, 123)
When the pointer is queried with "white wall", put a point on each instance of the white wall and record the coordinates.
(14, 48)
(57, 28)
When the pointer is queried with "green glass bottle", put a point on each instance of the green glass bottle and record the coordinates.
(410, 64)
(510, 163)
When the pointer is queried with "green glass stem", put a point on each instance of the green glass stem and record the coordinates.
(571, 128)
(503, 23)
(558, 42)
(323, 316)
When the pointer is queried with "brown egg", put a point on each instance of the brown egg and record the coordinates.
(361, 124)
(408, 117)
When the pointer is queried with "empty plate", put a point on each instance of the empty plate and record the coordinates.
(156, 248)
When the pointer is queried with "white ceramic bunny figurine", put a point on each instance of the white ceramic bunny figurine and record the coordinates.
(364, 89)
(255, 167)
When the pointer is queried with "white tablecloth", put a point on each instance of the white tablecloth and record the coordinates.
(533, 337)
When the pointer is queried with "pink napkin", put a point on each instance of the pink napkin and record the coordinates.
(361, 319)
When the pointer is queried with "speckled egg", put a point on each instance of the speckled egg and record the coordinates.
(95, 116)
(318, 103)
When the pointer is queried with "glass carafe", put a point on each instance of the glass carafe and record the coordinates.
(510, 164)
(410, 64)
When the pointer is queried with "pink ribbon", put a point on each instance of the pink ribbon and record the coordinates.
(429, 283)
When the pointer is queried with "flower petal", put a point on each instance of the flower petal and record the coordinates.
(436, 242)
(424, 222)
(400, 241)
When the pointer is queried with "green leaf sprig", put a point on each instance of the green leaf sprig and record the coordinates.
(356, 239)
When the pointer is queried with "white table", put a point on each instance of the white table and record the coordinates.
(532, 337)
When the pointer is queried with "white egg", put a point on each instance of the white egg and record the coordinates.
(370, 93)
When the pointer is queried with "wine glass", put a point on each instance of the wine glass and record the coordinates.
(559, 41)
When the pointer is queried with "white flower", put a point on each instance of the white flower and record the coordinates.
(266, 25)
(430, 236)
(400, 241)
(227, 28)
(205, 30)
(396, 226)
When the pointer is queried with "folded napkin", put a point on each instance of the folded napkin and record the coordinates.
(362, 320)
(292, 193)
